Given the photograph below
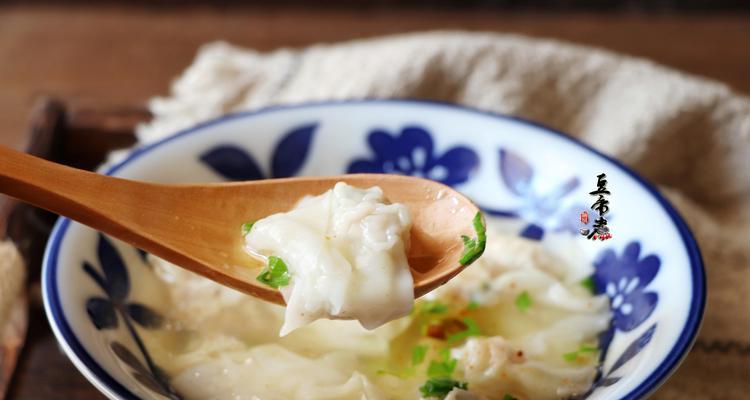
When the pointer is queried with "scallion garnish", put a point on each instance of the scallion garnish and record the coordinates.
(275, 274)
(442, 367)
(589, 285)
(508, 397)
(588, 349)
(523, 301)
(440, 387)
(473, 248)
(417, 354)
(246, 227)
(473, 305)
(573, 355)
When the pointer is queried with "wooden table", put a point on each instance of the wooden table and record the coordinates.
(116, 56)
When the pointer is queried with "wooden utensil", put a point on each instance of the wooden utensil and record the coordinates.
(198, 226)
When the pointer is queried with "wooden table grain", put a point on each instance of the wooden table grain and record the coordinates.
(119, 55)
(127, 54)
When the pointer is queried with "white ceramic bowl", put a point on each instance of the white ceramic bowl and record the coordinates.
(537, 179)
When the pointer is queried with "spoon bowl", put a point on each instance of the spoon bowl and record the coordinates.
(198, 227)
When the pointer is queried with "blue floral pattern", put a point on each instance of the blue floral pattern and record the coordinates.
(624, 280)
(236, 164)
(411, 152)
(106, 312)
(541, 210)
(635, 347)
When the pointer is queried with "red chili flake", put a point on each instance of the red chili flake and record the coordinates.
(453, 325)
(445, 328)
(436, 331)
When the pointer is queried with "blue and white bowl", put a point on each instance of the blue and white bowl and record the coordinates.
(536, 179)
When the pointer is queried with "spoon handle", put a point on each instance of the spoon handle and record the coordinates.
(81, 195)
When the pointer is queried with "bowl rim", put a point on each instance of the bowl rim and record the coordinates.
(103, 381)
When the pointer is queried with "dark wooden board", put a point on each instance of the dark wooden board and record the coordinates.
(491, 5)
(82, 137)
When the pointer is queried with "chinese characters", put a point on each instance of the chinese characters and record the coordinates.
(600, 229)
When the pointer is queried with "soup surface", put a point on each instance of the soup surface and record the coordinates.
(519, 322)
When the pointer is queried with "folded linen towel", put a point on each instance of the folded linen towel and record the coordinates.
(12, 310)
(689, 135)
(12, 275)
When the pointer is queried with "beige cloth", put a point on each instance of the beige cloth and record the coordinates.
(689, 135)
(12, 275)
(13, 314)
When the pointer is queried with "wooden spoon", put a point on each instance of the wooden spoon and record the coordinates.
(198, 227)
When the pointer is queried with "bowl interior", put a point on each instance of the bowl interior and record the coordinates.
(534, 179)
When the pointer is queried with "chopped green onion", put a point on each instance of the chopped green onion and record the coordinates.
(434, 307)
(473, 305)
(589, 285)
(473, 248)
(417, 354)
(445, 354)
(573, 355)
(440, 387)
(246, 227)
(275, 274)
(523, 301)
(508, 397)
(588, 349)
(443, 367)
(472, 329)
